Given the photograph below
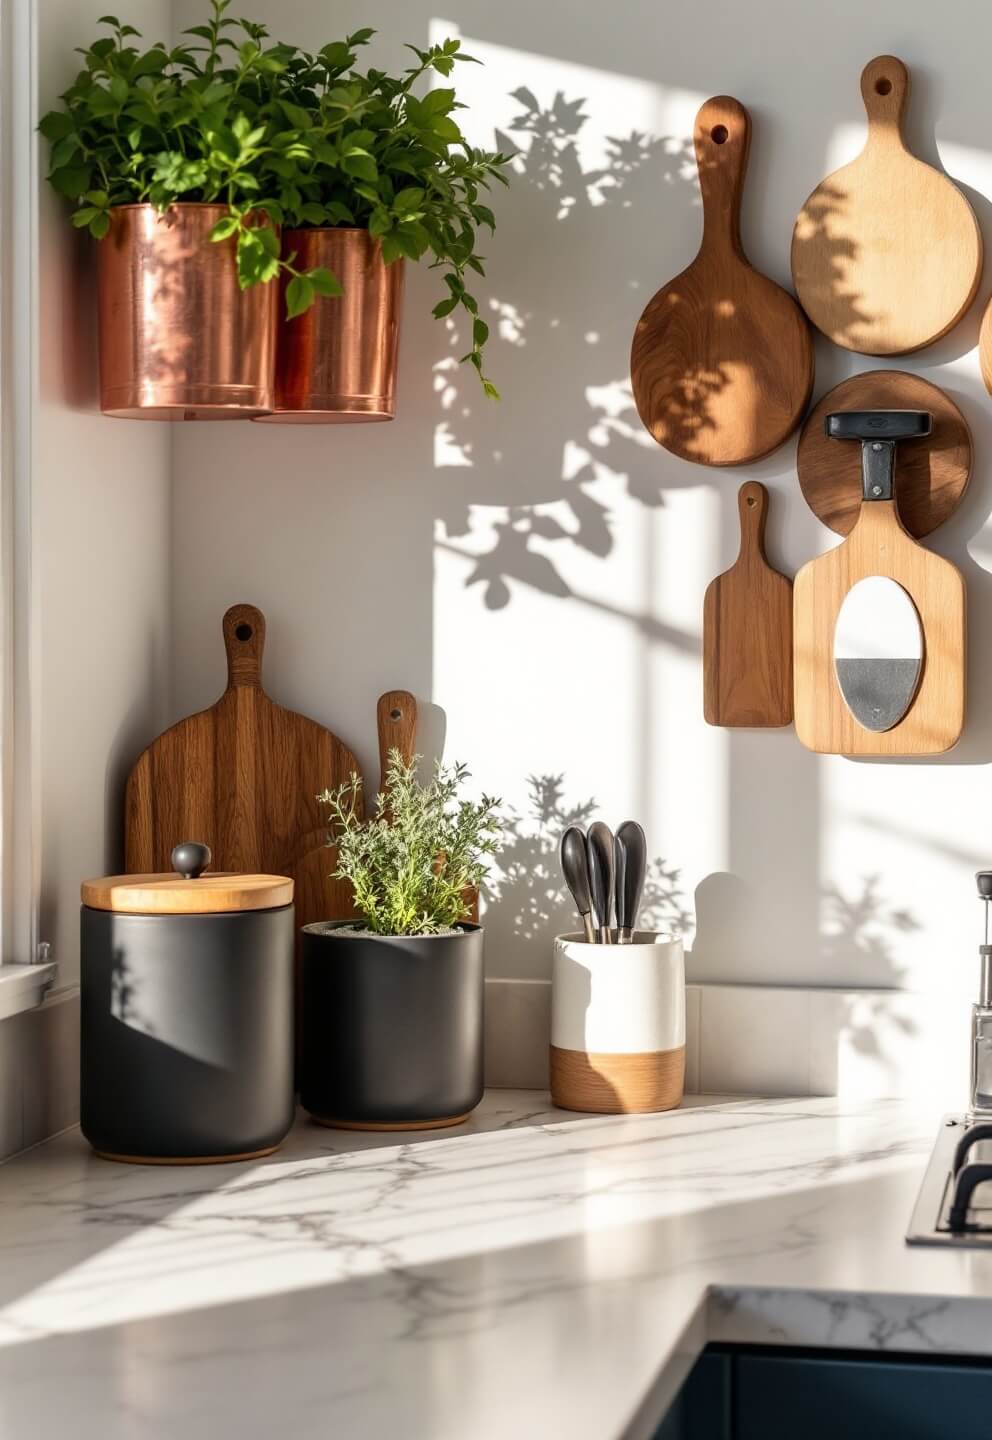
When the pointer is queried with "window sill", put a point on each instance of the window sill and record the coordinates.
(23, 987)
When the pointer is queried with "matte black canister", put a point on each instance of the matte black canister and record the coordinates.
(187, 1014)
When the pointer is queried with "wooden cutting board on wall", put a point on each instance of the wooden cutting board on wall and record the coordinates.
(886, 253)
(879, 545)
(721, 364)
(747, 630)
(243, 777)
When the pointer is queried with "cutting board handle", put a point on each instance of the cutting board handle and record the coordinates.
(752, 504)
(244, 641)
(396, 716)
(885, 90)
(722, 139)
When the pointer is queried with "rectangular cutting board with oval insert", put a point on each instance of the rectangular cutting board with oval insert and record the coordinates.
(243, 777)
(879, 546)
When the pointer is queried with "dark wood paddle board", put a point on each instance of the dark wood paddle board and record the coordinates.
(747, 630)
(722, 360)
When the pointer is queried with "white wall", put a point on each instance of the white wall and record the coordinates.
(536, 568)
(102, 542)
(100, 554)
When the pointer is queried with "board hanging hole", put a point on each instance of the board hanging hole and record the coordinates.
(751, 502)
(883, 86)
(244, 632)
(719, 134)
(396, 714)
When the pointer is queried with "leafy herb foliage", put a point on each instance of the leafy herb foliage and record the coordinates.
(411, 864)
(281, 137)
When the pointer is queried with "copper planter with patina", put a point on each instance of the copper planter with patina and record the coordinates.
(336, 363)
(179, 339)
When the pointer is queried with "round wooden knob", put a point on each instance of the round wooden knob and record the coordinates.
(190, 859)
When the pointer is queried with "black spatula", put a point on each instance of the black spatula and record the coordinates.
(599, 848)
(575, 868)
(631, 851)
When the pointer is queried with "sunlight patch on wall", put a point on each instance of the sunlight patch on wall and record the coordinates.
(687, 764)
(970, 164)
(633, 103)
(883, 867)
(570, 565)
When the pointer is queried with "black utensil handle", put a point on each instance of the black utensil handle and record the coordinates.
(575, 869)
(619, 882)
(599, 846)
(632, 844)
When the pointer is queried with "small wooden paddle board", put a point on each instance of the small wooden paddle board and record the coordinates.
(747, 630)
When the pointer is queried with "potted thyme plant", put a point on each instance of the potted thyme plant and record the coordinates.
(393, 1001)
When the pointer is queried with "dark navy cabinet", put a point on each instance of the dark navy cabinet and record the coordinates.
(703, 1408)
(738, 1393)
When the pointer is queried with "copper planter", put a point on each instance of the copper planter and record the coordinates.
(336, 363)
(179, 339)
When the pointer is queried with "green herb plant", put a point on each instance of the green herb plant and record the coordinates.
(412, 863)
(281, 137)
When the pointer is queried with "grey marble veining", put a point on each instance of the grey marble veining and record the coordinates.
(530, 1273)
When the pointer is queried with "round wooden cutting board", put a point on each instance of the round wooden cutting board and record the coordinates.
(886, 253)
(985, 347)
(932, 473)
(722, 359)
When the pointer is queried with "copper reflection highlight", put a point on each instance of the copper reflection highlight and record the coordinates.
(179, 339)
(336, 363)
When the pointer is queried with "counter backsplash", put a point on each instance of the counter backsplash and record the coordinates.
(762, 1040)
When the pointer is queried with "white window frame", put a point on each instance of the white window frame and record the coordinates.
(25, 971)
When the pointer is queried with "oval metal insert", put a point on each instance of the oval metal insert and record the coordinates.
(878, 652)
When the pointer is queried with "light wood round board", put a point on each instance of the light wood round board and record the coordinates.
(886, 253)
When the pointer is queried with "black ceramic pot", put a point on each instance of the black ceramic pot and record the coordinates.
(392, 1027)
(186, 1022)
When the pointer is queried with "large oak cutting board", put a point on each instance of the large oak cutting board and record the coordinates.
(747, 630)
(886, 253)
(243, 777)
(722, 360)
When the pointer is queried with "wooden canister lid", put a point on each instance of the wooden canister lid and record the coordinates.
(214, 893)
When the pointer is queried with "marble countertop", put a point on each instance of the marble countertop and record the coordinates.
(531, 1273)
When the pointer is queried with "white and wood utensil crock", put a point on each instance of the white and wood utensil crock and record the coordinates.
(618, 1024)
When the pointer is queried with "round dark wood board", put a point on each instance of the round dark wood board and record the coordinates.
(931, 475)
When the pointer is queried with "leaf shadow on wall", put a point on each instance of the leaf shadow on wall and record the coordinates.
(860, 933)
(560, 348)
(820, 241)
(527, 897)
(856, 934)
(863, 931)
